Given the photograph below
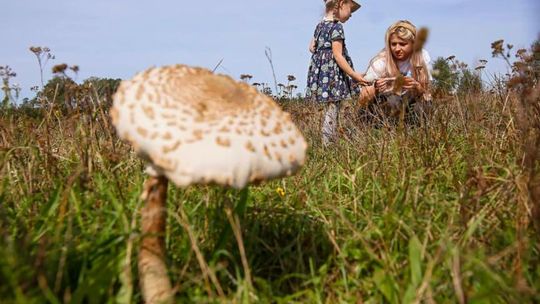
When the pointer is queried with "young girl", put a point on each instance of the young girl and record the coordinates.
(331, 77)
(399, 57)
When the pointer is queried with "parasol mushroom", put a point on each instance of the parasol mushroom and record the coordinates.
(195, 127)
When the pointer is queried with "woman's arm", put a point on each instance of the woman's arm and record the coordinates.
(337, 51)
(312, 45)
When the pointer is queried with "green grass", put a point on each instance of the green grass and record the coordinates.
(392, 215)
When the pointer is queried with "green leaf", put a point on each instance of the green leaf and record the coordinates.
(386, 285)
(410, 294)
(415, 260)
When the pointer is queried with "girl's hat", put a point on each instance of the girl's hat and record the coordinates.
(354, 8)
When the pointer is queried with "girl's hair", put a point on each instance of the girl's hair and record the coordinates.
(333, 5)
(407, 31)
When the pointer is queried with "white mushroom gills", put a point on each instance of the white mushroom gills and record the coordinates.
(195, 127)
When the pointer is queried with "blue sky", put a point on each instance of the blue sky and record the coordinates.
(118, 38)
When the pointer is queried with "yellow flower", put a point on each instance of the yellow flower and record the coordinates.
(280, 191)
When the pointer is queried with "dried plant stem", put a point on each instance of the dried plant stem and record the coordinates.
(268, 53)
(217, 65)
(456, 278)
(235, 224)
(207, 272)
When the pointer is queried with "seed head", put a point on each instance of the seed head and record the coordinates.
(497, 47)
(36, 50)
(245, 77)
(421, 38)
(521, 53)
(59, 68)
(398, 84)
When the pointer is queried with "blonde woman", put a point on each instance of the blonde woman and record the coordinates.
(399, 57)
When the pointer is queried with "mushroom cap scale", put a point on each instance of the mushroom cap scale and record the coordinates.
(196, 127)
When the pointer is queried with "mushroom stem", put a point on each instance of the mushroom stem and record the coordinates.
(155, 283)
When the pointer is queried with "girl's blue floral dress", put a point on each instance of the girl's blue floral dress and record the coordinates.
(326, 82)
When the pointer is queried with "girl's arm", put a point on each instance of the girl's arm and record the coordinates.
(337, 51)
(312, 45)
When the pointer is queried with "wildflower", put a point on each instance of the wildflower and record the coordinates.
(291, 78)
(280, 191)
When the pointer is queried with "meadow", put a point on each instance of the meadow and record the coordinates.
(440, 212)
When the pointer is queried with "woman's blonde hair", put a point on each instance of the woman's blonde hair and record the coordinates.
(407, 31)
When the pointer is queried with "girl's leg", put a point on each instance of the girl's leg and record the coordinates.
(330, 122)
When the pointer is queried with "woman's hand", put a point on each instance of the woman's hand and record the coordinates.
(381, 85)
(412, 85)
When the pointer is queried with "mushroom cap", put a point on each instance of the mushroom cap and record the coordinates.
(196, 127)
